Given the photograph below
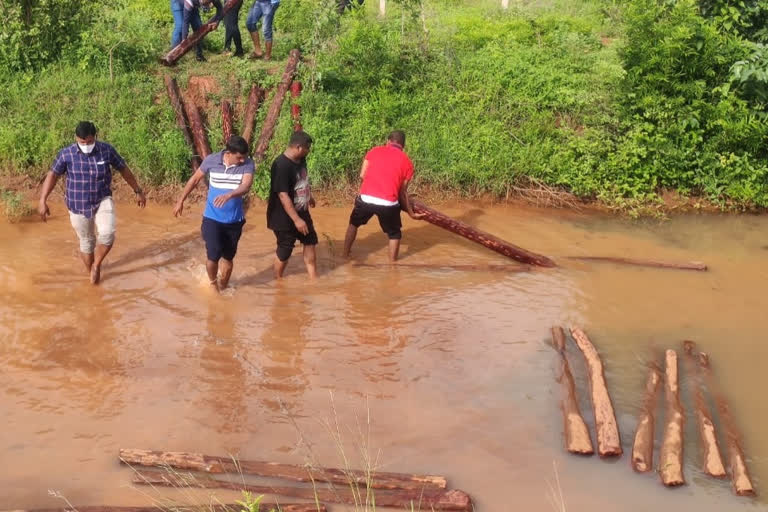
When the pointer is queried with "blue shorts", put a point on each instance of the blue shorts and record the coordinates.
(221, 239)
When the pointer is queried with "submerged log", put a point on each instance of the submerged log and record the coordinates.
(263, 506)
(274, 109)
(173, 56)
(642, 448)
(608, 440)
(577, 438)
(181, 118)
(295, 108)
(254, 101)
(688, 265)
(226, 120)
(467, 268)
(737, 464)
(299, 473)
(427, 499)
(671, 451)
(712, 460)
(485, 239)
(199, 135)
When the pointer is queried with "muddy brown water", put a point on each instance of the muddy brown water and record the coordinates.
(452, 366)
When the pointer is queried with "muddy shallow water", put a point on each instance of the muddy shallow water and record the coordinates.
(453, 366)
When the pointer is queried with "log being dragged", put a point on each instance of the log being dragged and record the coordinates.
(737, 464)
(273, 114)
(671, 451)
(173, 56)
(712, 460)
(226, 120)
(428, 499)
(688, 265)
(299, 473)
(199, 134)
(642, 448)
(263, 507)
(295, 108)
(181, 118)
(254, 101)
(577, 438)
(608, 440)
(475, 235)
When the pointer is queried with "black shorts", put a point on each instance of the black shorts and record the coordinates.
(286, 239)
(221, 239)
(389, 217)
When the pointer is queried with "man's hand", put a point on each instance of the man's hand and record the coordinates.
(312, 202)
(221, 200)
(416, 216)
(141, 200)
(42, 209)
(301, 226)
(178, 209)
(214, 24)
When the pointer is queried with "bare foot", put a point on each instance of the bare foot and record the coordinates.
(255, 56)
(95, 274)
(215, 286)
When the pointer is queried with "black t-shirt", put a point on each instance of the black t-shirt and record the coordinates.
(291, 177)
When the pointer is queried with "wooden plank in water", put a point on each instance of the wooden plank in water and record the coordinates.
(687, 265)
(264, 506)
(671, 451)
(437, 266)
(642, 448)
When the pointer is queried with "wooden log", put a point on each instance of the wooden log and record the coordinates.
(464, 268)
(475, 235)
(295, 108)
(226, 120)
(199, 135)
(298, 473)
(642, 448)
(737, 464)
(173, 56)
(181, 118)
(264, 506)
(671, 451)
(711, 458)
(274, 109)
(688, 265)
(577, 438)
(427, 499)
(254, 101)
(608, 440)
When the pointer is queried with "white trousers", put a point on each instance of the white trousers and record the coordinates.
(100, 227)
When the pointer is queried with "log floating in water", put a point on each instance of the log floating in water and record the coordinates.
(712, 460)
(274, 109)
(689, 265)
(467, 268)
(577, 438)
(608, 440)
(299, 473)
(226, 120)
(295, 108)
(254, 101)
(671, 451)
(173, 56)
(181, 118)
(742, 483)
(428, 499)
(198, 129)
(642, 448)
(264, 506)
(485, 239)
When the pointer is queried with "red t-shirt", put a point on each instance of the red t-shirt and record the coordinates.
(388, 168)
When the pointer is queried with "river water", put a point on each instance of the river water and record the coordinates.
(452, 367)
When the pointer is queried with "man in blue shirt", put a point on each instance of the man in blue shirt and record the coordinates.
(88, 165)
(230, 175)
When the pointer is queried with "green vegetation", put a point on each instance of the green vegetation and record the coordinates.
(14, 206)
(609, 101)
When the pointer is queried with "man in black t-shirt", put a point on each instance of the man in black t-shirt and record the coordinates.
(290, 198)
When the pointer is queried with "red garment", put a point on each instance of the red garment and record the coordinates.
(388, 168)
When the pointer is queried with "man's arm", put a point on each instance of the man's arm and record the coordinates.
(244, 188)
(287, 203)
(363, 169)
(406, 201)
(50, 182)
(188, 188)
(129, 178)
(219, 12)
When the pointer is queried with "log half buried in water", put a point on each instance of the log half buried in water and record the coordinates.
(485, 239)
(263, 507)
(173, 56)
(427, 499)
(437, 266)
(642, 448)
(688, 265)
(199, 135)
(181, 118)
(226, 120)
(608, 440)
(742, 483)
(295, 108)
(273, 114)
(577, 438)
(712, 460)
(254, 101)
(671, 451)
(295, 472)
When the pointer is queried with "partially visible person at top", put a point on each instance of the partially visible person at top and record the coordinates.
(265, 9)
(191, 18)
(230, 175)
(290, 198)
(232, 30)
(177, 10)
(386, 173)
(88, 165)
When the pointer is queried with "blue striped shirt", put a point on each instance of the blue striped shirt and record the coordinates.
(222, 180)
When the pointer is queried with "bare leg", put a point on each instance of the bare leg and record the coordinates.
(101, 253)
(394, 250)
(212, 268)
(226, 273)
(87, 258)
(256, 45)
(310, 258)
(279, 267)
(349, 239)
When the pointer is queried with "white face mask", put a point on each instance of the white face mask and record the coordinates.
(86, 148)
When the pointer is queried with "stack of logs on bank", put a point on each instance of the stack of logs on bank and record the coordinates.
(670, 458)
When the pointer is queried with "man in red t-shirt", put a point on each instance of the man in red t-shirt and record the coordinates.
(386, 173)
